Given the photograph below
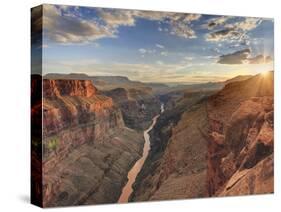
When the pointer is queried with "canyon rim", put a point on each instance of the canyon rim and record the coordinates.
(130, 105)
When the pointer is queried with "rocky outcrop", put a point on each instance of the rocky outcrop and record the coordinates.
(239, 127)
(87, 150)
(58, 88)
(257, 180)
(243, 165)
(138, 106)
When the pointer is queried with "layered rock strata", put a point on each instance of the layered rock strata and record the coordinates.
(138, 106)
(221, 145)
(87, 149)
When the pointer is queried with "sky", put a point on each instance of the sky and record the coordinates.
(153, 46)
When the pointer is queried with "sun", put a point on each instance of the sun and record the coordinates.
(264, 73)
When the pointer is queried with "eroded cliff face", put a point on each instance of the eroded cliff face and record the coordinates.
(58, 88)
(176, 167)
(138, 106)
(87, 150)
(240, 147)
(218, 146)
(138, 101)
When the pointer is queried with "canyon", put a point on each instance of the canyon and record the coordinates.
(135, 99)
(109, 139)
(219, 145)
(133, 173)
(87, 147)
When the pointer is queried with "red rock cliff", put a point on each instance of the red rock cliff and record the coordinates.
(87, 150)
(241, 138)
(73, 114)
(58, 88)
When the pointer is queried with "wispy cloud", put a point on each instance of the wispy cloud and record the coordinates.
(247, 24)
(116, 18)
(63, 26)
(159, 62)
(259, 59)
(216, 22)
(179, 23)
(164, 53)
(230, 32)
(235, 58)
(154, 72)
(67, 29)
(146, 51)
(243, 57)
(188, 58)
(142, 51)
(159, 46)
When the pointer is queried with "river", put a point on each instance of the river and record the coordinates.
(132, 174)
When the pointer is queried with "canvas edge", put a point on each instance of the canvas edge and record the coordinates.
(36, 190)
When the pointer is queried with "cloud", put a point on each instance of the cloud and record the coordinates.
(66, 24)
(154, 72)
(191, 17)
(209, 57)
(146, 51)
(179, 23)
(151, 15)
(164, 53)
(67, 29)
(208, 78)
(231, 32)
(182, 30)
(260, 59)
(114, 18)
(63, 25)
(142, 51)
(159, 46)
(165, 16)
(243, 57)
(188, 58)
(36, 22)
(248, 24)
(159, 62)
(224, 34)
(216, 22)
(235, 58)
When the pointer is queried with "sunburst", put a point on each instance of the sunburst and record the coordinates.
(265, 73)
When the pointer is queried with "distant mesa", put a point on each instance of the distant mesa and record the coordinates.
(110, 82)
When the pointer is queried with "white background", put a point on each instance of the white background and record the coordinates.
(14, 102)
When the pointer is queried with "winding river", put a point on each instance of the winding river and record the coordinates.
(132, 174)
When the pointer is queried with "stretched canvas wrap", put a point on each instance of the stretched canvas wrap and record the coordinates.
(130, 105)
